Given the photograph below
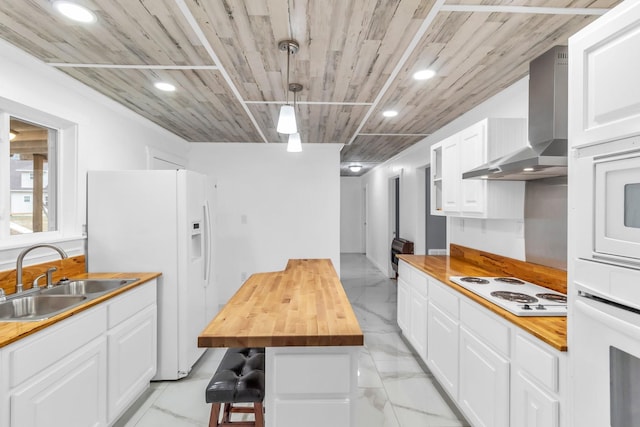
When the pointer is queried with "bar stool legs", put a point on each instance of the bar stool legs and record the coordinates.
(228, 409)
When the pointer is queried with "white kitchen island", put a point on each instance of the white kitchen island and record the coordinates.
(311, 337)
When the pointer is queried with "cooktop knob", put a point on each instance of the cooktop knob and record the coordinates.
(541, 307)
(526, 307)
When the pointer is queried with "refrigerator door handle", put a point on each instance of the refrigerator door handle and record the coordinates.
(207, 243)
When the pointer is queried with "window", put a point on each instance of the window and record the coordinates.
(38, 159)
(32, 153)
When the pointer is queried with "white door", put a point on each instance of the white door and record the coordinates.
(617, 207)
(531, 405)
(71, 393)
(484, 383)
(192, 265)
(606, 364)
(442, 344)
(605, 61)
(451, 175)
(473, 146)
(403, 306)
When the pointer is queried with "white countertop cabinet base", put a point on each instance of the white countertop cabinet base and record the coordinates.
(497, 374)
(84, 371)
(311, 386)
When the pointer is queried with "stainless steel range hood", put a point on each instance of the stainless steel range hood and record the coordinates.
(546, 156)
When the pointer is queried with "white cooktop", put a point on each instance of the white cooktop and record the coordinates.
(516, 295)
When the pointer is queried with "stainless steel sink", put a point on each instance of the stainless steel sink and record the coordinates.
(88, 286)
(37, 307)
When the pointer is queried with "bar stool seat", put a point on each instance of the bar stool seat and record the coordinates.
(238, 379)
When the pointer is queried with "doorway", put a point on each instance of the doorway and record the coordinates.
(394, 217)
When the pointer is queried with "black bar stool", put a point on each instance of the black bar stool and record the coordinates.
(238, 379)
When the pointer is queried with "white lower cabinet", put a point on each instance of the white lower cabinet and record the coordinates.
(418, 321)
(69, 393)
(132, 359)
(442, 342)
(404, 309)
(484, 383)
(497, 374)
(85, 370)
(531, 405)
(412, 307)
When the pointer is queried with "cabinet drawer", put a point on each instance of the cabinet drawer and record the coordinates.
(131, 303)
(536, 361)
(446, 299)
(31, 355)
(492, 331)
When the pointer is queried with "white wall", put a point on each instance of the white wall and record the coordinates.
(351, 215)
(269, 206)
(109, 136)
(501, 237)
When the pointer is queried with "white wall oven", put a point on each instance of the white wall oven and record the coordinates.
(610, 204)
(604, 333)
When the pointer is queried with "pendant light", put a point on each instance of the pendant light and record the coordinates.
(294, 144)
(287, 120)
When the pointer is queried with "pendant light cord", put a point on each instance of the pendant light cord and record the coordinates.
(287, 88)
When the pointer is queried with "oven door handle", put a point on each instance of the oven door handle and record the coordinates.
(626, 321)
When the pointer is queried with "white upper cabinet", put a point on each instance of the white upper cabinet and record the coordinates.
(603, 59)
(473, 153)
(451, 174)
(486, 140)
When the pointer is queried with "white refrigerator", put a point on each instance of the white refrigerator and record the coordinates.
(157, 221)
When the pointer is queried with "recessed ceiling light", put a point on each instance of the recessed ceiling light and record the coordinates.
(528, 169)
(74, 11)
(424, 74)
(355, 168)
(390, 113)
(167, 87)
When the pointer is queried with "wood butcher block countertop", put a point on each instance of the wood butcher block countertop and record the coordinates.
(13, 331)
(304, 305)
(551, 330)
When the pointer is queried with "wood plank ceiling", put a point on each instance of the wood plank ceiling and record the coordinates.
(356, 59)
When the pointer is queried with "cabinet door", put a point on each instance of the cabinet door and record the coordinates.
(403, 308)
(451, 176)
(442, 342)
(484, 383)
(531, 406)
(132, 359)
(418, 321)
(604, 60)
(70, 393)
(435, 180)
(473, 153)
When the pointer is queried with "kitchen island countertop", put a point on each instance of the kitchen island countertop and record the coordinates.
(551, 330)
(14, 331)
(304, 305)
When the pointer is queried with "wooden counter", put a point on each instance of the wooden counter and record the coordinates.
(551, 330)
(304, 305)
(13, 331)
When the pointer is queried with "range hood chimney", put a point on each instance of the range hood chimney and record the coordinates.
(546, 155)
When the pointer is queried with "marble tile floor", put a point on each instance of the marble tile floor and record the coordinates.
(394, 388)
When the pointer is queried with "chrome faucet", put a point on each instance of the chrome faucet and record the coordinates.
(48, 275)
(21, 256)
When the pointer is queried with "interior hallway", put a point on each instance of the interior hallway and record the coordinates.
(394, 390)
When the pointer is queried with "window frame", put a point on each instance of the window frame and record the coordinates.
(66, 177)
